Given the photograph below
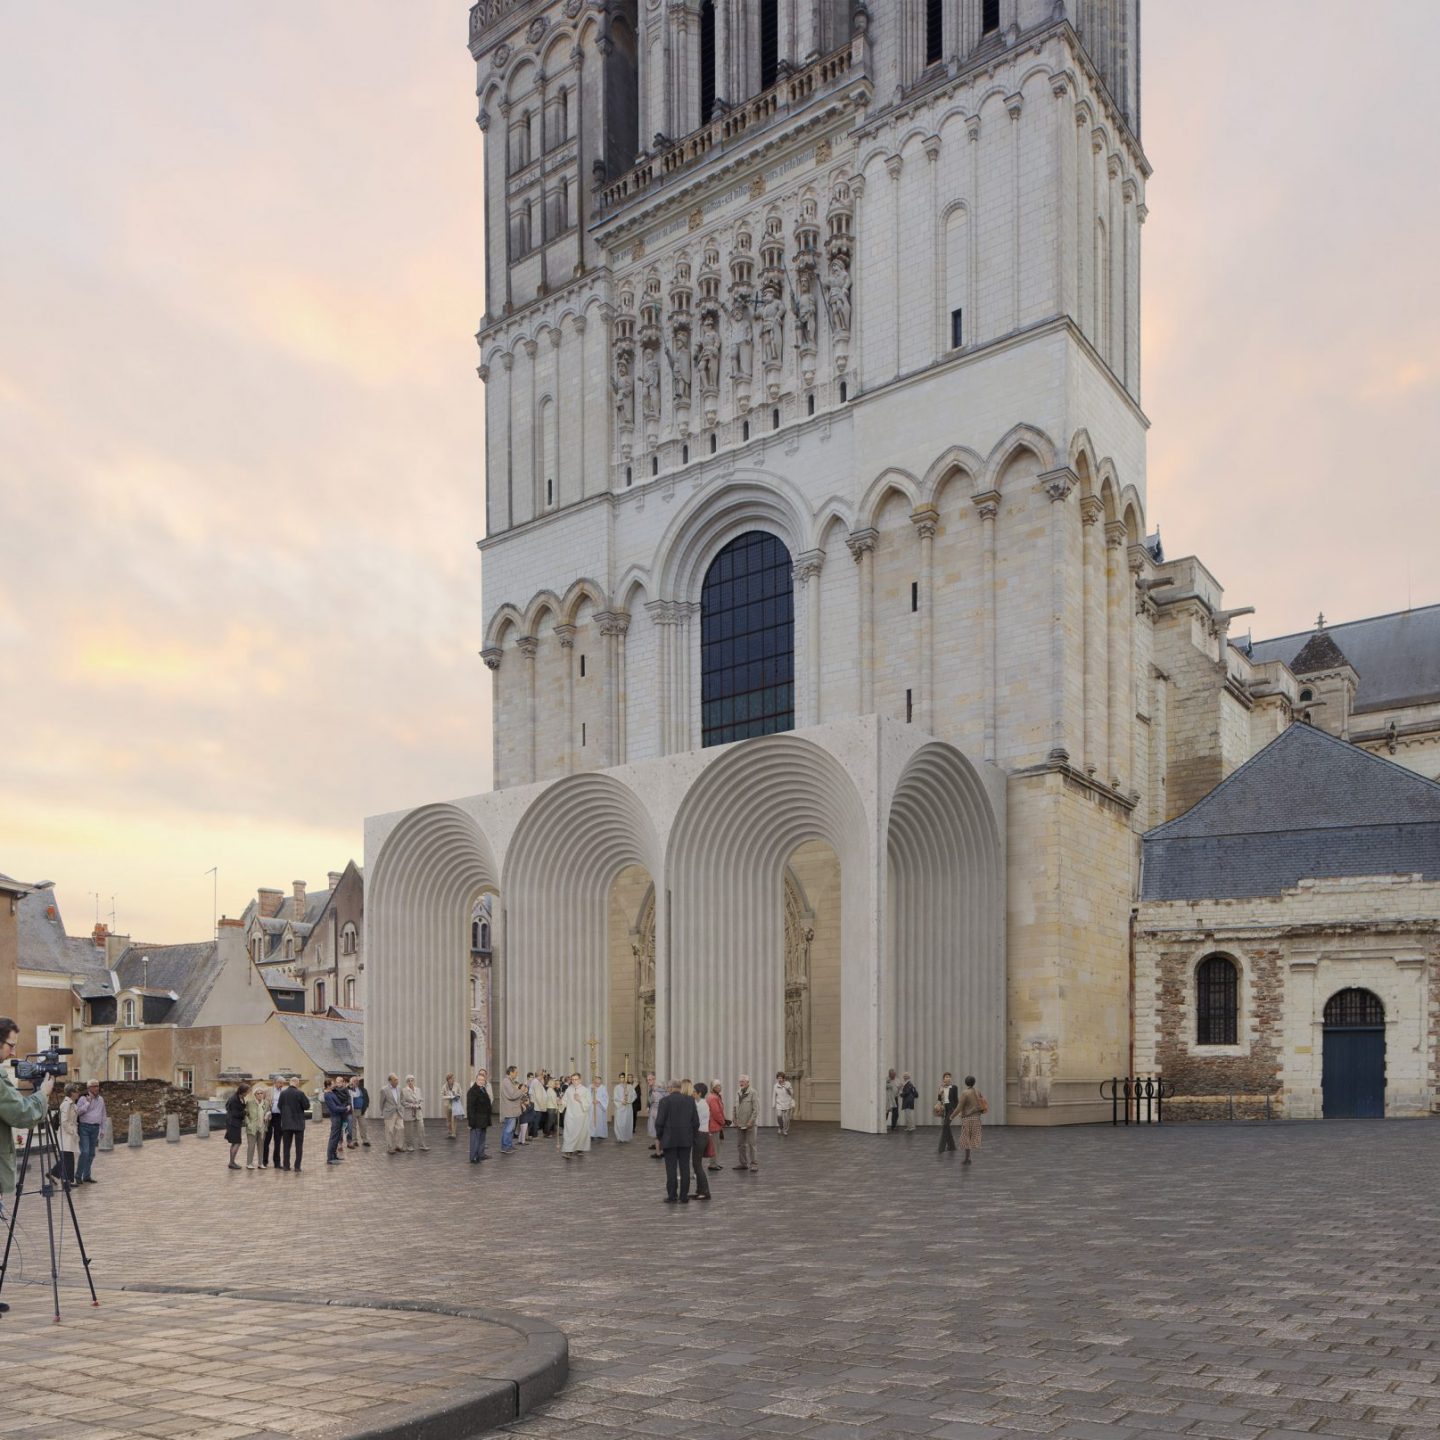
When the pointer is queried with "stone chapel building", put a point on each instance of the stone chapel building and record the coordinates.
(836, 672)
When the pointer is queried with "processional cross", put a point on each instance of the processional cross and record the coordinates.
(594, 1046)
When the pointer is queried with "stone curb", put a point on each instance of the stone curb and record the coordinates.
(504, 1390)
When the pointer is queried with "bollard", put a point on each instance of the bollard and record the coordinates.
(172, 1129)
(202, 1125)
(136, 1138)
(107, 1135)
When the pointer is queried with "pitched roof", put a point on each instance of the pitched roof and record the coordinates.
(1320, 652)
(189, 970)
(1397, 657)
(337, 1047)
(43, 943)
(1307, 806)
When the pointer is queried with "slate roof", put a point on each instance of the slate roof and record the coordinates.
(1397, 657)
(337, 1047)
(44, 945)
(1308, 806)
(189, 970)
(1320, 652)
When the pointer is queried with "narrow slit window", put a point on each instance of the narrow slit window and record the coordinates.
(809, 404)
(745, 429)
(957, 329)
(775, 418)
(712, 444)
(844, 392)
(582, 667)
(684, 454)
(914, 596)
(909, 706)
(582, 734)
(654, 464)
(989, 16)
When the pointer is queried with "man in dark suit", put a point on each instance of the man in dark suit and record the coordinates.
(676, 1125)
(294, 1112)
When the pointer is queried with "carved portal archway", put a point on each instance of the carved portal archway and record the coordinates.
(799, 933)
(642, 946)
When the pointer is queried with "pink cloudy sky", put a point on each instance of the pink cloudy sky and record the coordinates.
(241, 428)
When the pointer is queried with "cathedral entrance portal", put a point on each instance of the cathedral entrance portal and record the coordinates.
(632, 975)
(812, 981)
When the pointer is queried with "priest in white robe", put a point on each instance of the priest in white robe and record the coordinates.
(599, 1109)
(624, 1113)
(575, 1137)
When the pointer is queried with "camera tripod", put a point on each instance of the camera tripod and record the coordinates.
(49, 1146)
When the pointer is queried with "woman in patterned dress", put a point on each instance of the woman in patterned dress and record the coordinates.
(972, 1106)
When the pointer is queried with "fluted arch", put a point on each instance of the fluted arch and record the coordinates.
(420, 892)
(572, 842)
(738, 825)
(945, 981)
(715, 517)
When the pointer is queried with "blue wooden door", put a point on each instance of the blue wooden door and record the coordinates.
(1353, 1080)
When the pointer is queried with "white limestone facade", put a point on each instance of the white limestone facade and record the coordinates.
(881, 302)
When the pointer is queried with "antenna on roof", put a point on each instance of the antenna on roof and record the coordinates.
(1320, 621)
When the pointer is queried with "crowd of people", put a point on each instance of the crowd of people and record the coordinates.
(685, 1123)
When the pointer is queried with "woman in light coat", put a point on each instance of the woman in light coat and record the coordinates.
(412, 1108)
(451, 1098)
(69, 1131)
(257, 1111)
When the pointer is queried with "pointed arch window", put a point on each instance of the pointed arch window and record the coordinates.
(1217, 1001)
(747, 641)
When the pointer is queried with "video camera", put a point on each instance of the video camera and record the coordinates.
(36, 1067)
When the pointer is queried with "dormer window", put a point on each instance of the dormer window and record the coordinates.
(1306, 696)
(129, 1013)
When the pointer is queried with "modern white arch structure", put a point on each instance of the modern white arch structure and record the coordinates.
(917, 826)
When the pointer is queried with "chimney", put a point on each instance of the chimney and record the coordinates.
(226, 920)
(99, 934)
(269, 901)
(333, 879)
(298, 912)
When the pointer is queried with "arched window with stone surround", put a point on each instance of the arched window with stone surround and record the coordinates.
(747, 641)
(1217, 1001)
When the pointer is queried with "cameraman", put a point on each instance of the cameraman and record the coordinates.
(17, 1111)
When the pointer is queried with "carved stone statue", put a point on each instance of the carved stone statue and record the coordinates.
(623, 384)
(837, 295)
(771, 311)
(680, 361)
(707, 355)
(650, 382)
(804, 311)
(742, 339)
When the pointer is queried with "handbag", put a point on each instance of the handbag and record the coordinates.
(984, 1106)
(456, 1108)
(937, 1108)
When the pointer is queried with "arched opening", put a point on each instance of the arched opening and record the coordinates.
(622, 91)
(1353, 1078)
(747, 641)
(581, 862)
(945, 981)
(770, 815)
(632, 973)
(428, 878)
(1217, 1001)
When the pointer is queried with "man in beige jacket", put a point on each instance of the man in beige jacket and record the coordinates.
(392, 1116)
(745, 1120)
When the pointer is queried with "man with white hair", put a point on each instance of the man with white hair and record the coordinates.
(745, 1119)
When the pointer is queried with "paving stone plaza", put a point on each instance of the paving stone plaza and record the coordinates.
(1088, 1284)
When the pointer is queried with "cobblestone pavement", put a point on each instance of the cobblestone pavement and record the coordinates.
(210, 1368)
(1087, 1284)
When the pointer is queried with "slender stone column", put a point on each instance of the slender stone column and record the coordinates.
(807, 576)
(613, 626)
(987, 504)
(1058, 484)
(926, 523)
(1136, 557)
(894, 165)
(492, 656)
(529, 647)
(1117, 610)
(566, 635)
(862, 547)
(1097, 709)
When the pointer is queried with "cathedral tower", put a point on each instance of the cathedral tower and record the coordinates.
(812, 382)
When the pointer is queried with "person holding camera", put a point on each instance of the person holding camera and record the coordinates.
(89, 1116)
(17, 1111)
